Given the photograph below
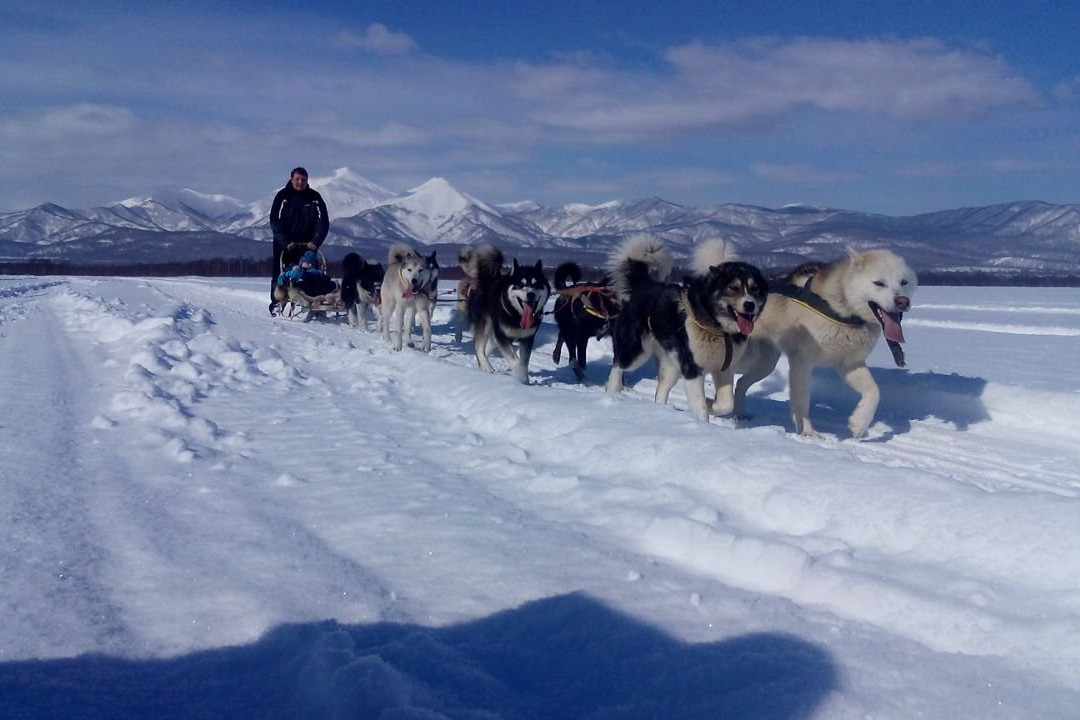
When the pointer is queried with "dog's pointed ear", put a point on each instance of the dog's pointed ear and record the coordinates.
(515, 265)
(539, 266)
(432, 256)
(852, 253)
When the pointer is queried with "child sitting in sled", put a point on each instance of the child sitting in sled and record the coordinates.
(308, 276)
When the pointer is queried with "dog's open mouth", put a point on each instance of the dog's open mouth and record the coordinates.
(744, 321)
(890, 323)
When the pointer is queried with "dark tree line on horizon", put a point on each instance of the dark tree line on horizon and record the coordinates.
(249, 267)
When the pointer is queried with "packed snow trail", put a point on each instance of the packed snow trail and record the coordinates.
(214, 473)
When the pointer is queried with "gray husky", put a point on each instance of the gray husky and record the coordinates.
(505, 307)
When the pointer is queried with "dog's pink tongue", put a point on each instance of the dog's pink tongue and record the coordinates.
(890, 325)
(526, 316)
(746, 325)
(407, 293)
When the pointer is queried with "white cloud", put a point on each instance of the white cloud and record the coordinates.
(377, 39)
(388, 135)
(801, 174)
(920, 79)
(929, 170)
(1068, 89)
(1027, 165)
(87, 119)
(746, 84)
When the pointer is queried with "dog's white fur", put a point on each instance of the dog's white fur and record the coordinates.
(810, 340)
(646, 248)
(707, 254)
(403, 299)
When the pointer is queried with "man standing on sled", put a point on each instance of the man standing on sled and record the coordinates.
(298, 215)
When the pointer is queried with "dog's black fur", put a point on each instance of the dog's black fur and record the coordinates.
(581, 312)
(496, 304)
(432, 285)
(656, 309)
(361, 286)
(715, 307)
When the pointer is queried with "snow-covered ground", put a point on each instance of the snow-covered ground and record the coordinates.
(210, 513)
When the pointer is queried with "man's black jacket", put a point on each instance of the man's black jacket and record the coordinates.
(298, 216)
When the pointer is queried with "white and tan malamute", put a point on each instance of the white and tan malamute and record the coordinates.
(406, 294)
(830, 315)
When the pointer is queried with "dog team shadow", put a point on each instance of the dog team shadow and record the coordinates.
(567, 656)
(905, 397)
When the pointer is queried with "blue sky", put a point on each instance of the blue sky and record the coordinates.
(898, 108)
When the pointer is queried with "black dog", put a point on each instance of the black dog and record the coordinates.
(361, 286)
(582, 311)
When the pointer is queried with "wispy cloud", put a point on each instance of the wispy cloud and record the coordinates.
(1068, 89)
(741, 85)
(800, 174)
(163, 107)
(929, 170)
(377, 39)
(1027, 165)
(81, 120)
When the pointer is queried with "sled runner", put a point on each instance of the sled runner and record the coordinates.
(305, 291)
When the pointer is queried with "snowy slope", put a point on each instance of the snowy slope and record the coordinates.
(241, 517)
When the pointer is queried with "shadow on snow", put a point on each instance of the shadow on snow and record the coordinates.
(562, 657)
(905, 397)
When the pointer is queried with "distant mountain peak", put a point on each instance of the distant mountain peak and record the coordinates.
(438, 200)
(349, 193)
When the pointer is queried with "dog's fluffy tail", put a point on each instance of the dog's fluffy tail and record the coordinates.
(465, 257)
(641, 255)
(567, 275)
(804, 272)
(709, 253)
(350, 273)
(400, 252)
(484, 261)
(351, 264)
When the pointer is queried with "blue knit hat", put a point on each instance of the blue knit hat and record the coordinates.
(311, 257)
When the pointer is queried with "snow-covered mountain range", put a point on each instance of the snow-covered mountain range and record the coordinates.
(183, 224)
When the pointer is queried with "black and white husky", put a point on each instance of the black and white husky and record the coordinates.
(697, 328)
(361, 282)
(505, 307)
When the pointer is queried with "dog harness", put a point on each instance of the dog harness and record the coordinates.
(815, 303)
(711, 328)
(596, 300)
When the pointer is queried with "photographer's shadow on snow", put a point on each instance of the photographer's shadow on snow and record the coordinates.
(905, 397)
(562, 657)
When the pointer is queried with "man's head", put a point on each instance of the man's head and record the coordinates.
(298, 178)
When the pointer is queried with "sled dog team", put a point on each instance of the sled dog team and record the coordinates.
(724, 319)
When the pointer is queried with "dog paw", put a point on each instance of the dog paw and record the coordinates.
(857, 430)
(721, 408)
